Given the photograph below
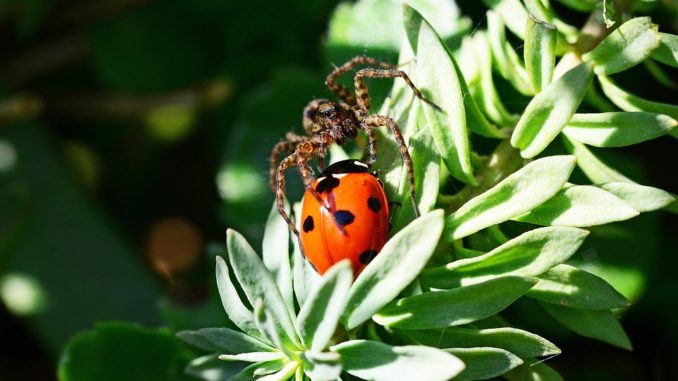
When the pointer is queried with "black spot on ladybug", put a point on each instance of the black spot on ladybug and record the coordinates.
(367, 256)
(327, 184)
(374, 204)
(344, 217)
(308, 224)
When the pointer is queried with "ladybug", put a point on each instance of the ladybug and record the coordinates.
(354, 221)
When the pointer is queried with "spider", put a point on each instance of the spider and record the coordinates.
(327, 122)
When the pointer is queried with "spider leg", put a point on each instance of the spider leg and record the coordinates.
(287, 162)
(363, 99)
(372, 144)
(373, 121)
(341, 91)
(287, 145)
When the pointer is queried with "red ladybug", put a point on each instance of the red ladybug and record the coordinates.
(353, 224)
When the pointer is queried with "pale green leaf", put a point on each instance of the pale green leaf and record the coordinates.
(237, 312)
(618, 129)
(223, 340)
(252, 357)
(275, 254)
(458, 306)
(372, 360)
(549, 111)
(258, 283)
(529, 254)
(580, 5)
(517, 194)
(318, 317)
(322, 366)
(631, 102)
(267, 325)
(506, 59)
(210, 368)
(533, 370)
(572, 287)
(283, 374)
(512, 13)
(519, 342)
(625, 47)
(667, 52)
(600, 325)
(540, 52)
(484, 362)
(438, 79)
(581, 206)
(593, 168)
(396, 266)
(304, 276)
(639, 197)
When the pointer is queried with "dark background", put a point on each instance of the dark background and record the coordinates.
(141, 130)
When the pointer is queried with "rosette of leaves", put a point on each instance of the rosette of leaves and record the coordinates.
(431, 305)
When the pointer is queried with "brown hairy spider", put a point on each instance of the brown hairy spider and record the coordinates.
(326, 122)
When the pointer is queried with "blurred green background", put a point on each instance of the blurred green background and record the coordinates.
(133, 132)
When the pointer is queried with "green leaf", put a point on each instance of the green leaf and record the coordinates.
(618, 129)
(372, 360)
(258, 283)
(210, 368)
(639, 197)
(600, 325)
(253, 357)
(581, 206)
(275, 254)
(521, 343)
(426, 161)
(529, 254)
(484, 362)
(304, 276)
(540, 52)
(630, 102)
(325, 366)
(223, 340)
(549, 111)
(667, 52)
(575, 288)
(627, 46)
(593, 168)
(123, 351)
(507, 60)
(512, 13)
(237, 312)
(318, 317)
(267, 325)
(534, 371)
(283, 374)
(580, 5)
(517, 194)
(438, 79)
(454, 307)
(396, 266)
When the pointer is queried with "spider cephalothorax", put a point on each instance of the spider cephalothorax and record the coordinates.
(327, 122)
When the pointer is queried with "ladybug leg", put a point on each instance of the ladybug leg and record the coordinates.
(341, 91)
(288, 145)
(362, 97)
(373, 121)
(280, 192)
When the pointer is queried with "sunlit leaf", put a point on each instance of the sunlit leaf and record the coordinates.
(617, 129)
(540, 49)
(223, 340)
(275, 254)
(667, 52)
(639, 197)
(484, 362)
(591, 165)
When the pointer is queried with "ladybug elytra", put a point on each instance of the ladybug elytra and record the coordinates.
(354, 221)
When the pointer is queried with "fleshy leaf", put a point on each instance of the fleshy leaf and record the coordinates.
(533, 370)
(639, 197)
(625, 47)
(258, 283)
(507, 60)
(372, 360)
(223, 340)
(237, 312)
(591, 165)
(549, 111)
(540, 52)
(253, 357)
(618, 129)
(529, 254)
(631, 102)
(667, 52)
(517, 194)
(318, 317)
(210, 368)
(512, 13)
(484, 362)
(581, 206)
(575, 288)
(396, 266)
(322, 366)
(304, 276)
(438, 78)
(600, 325)
(275, 254)
(521, 343)
(458, 306)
